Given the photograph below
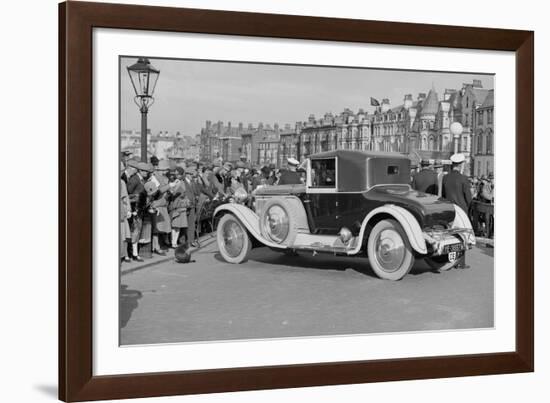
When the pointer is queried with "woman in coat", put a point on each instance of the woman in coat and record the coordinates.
(178, 206)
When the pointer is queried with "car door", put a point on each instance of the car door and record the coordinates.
(321, 200)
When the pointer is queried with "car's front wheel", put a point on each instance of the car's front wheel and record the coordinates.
(234, 241)
(390, 253)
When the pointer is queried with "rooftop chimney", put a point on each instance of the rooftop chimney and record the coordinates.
(408, 101)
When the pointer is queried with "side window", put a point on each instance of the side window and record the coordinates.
(323, 173)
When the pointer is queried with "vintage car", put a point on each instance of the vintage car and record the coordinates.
(353, 203)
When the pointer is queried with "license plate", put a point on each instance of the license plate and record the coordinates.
(455, 247)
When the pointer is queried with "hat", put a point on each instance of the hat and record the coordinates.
(190, 170)
(133, 163)
(227, 166)
(424, 163)
(293, 162)
(144, 166)
(458, 158)
(151, 188)
(163, 165)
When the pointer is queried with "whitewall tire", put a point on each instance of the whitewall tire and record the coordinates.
(389, 251)
(234, 242)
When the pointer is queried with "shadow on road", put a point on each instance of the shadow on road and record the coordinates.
(128, 302)
(306, 260)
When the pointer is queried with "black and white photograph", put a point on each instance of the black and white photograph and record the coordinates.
(264, 201)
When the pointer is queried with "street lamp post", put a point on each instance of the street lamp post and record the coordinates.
(456, 130)
(144, 80)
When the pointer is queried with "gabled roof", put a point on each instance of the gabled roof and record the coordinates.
(480, 94)
(431, 104)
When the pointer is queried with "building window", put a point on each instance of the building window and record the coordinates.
(489, 143)
(479, 143)
(490, 116)
(480, 118)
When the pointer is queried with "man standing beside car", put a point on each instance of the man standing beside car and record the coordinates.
(290, 176)
(456, 187)
(426, 180)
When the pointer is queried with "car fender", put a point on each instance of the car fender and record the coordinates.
(406, 219)
(462, 221)
(249, 219)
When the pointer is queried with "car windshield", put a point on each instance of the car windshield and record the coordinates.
(323, 173)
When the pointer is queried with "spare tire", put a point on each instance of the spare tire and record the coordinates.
(278, 222)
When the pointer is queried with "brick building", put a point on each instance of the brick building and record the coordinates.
(483, 139)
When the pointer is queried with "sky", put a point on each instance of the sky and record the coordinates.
(190, 92)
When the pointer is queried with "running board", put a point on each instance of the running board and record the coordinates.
(323, 244)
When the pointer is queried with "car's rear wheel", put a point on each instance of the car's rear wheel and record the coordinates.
(441, 263)
(234, 241)
(390, 253)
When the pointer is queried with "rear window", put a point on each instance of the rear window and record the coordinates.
(323, 173)
(393, 170)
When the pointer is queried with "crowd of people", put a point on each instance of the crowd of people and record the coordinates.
(161, 200)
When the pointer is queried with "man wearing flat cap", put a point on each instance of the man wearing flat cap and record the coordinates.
(290, 176)
(456, 187)
(426, 180)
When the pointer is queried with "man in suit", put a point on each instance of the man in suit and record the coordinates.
(426, 180)
(290, 176)
(456, 187)
(138, 174)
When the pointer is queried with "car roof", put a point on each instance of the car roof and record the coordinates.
(352, 175)
(358, 155)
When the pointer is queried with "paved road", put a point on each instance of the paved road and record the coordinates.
(273, 295)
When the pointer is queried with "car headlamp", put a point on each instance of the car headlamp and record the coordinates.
(240, 195)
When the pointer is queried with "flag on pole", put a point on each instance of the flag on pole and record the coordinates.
(374, 102)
